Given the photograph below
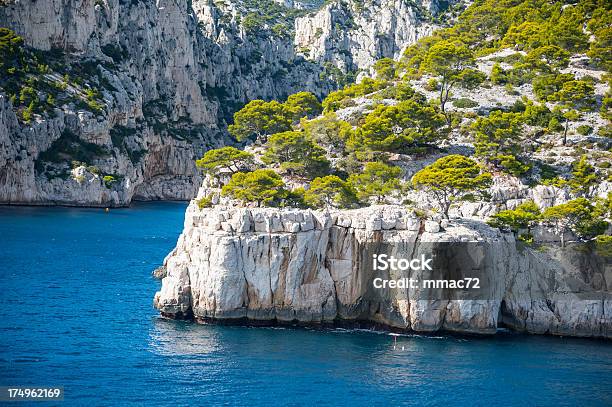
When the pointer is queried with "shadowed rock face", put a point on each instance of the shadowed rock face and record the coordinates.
(272, 265)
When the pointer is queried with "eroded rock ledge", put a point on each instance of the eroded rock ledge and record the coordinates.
(287, 265)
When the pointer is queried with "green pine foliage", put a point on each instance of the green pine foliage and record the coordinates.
(296, 154)
(579, 216)
(407, 127)
(264, 187)
(340, 98)
(584, 177)
(524, 216)
(330, 192)
(498, 141)
(452, 178)
(377, 182)
(260, 118)
(227, 158)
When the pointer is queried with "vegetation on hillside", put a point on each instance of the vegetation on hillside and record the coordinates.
(452, 178)
(36, 82)
(386, 137)
(351, 149)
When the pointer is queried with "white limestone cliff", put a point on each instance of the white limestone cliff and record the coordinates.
(353, 35)
(280, 265)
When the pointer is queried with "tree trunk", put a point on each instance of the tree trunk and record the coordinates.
(444, 92)
(562, 238)
(446, 207)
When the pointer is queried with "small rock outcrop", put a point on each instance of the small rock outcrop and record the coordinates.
(282, 265)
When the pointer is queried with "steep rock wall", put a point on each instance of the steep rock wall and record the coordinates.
(170, 74)
(297, 265)
(354, 35)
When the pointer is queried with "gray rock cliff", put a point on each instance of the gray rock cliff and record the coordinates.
(170, 73)
(302, 266)
(354, 35)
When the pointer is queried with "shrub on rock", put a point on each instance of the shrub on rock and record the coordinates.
(296, 153)
(226, 158)
(377, 180)
(330, 191)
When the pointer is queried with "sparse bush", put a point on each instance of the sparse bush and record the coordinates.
(264, 187)
(109, 180)
(296, 153)
(377, 180)
(204, 202)
(465, 103)
(330, 191)
(432, 85)
(584, 130)
(452, 178)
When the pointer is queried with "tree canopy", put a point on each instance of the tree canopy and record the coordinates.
(260, 118)
(498, 140)
(399, 128)
(328, 130)
(225, 158)
(579, 216)
(385, 69)
(303, 104)
(336, 100)
(452, 178)
(584, 177)
(451, 61)
(296, 153)
(524, 216)
(377, 181)
(573, 97)
(330, 191)
(265, 187)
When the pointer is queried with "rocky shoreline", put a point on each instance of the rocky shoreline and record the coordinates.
(287, 266)
(60, 204)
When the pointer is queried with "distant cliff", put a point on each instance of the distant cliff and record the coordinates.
(300, 266)
(354, 35)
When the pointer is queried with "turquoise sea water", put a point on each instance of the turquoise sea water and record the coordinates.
(76, 303)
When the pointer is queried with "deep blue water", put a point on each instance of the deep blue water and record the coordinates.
(76, 311)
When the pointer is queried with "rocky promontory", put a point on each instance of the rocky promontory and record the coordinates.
(270, 265)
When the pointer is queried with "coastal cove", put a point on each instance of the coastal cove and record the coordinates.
(77, 312)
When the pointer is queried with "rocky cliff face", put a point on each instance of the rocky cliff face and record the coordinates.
(169, 74)
(302, 266)
(354, 35)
